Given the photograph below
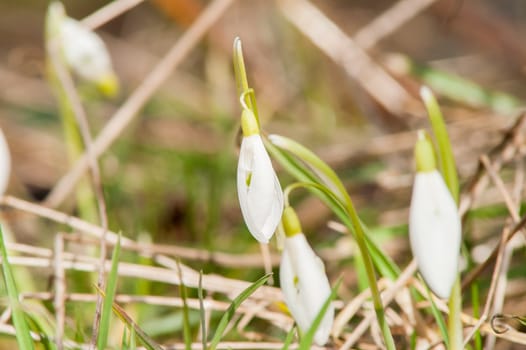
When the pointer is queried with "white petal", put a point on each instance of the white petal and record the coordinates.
(258, 189)
(435, 232)
(85, 52)
(305, 286)
(290, 289)
(5, 164)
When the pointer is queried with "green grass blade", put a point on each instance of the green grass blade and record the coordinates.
(148, 342)
(223, 323)
(41, 321)
(289, 338)
(308, 337)
(438, 318)
(111, 287)
(187, 335)
(133, 344)
(125, 342)
(23, 336)
(202, 315)
(475, 298)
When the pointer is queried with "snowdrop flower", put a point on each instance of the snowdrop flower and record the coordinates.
(258, 188)
(434, 223)
(5, 164)
(84, 51)
(303, 280)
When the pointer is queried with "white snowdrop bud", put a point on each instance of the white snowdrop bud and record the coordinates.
(303, 280)
(434, 224)
(259, 192)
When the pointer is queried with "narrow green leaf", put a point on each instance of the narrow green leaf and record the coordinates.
(111, 287)
(202, 315)
(41, 321)
(227, 316)
(475, 298)
(187, 335)
(308, 337)
(23, 336)
(324, 172)
(438, 318)
(289, 338)
(133, 344)
(148, 342)
(125, 341)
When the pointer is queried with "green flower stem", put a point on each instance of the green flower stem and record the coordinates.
(329, 177)
(454, 321)
(449, 172)
(371, 275)
(75, 146)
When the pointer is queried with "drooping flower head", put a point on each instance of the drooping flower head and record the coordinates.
(303, 280)
(434, 223)
(84, 51)
(5, 164)
(258, 188)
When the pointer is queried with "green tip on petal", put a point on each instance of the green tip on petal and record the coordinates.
(108, 85)
(291, 223)
(249, 123)
(424, 153)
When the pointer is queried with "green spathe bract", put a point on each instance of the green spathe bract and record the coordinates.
(291, 223)
(424, 153)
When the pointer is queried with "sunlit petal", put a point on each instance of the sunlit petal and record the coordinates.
(305, 286)
(259, 191)
(435, 232)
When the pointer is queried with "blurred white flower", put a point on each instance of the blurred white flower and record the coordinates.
(258, 189)
(305, 286)
(5, 164)
(86, 55)
(435, 232)
(83, 50)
